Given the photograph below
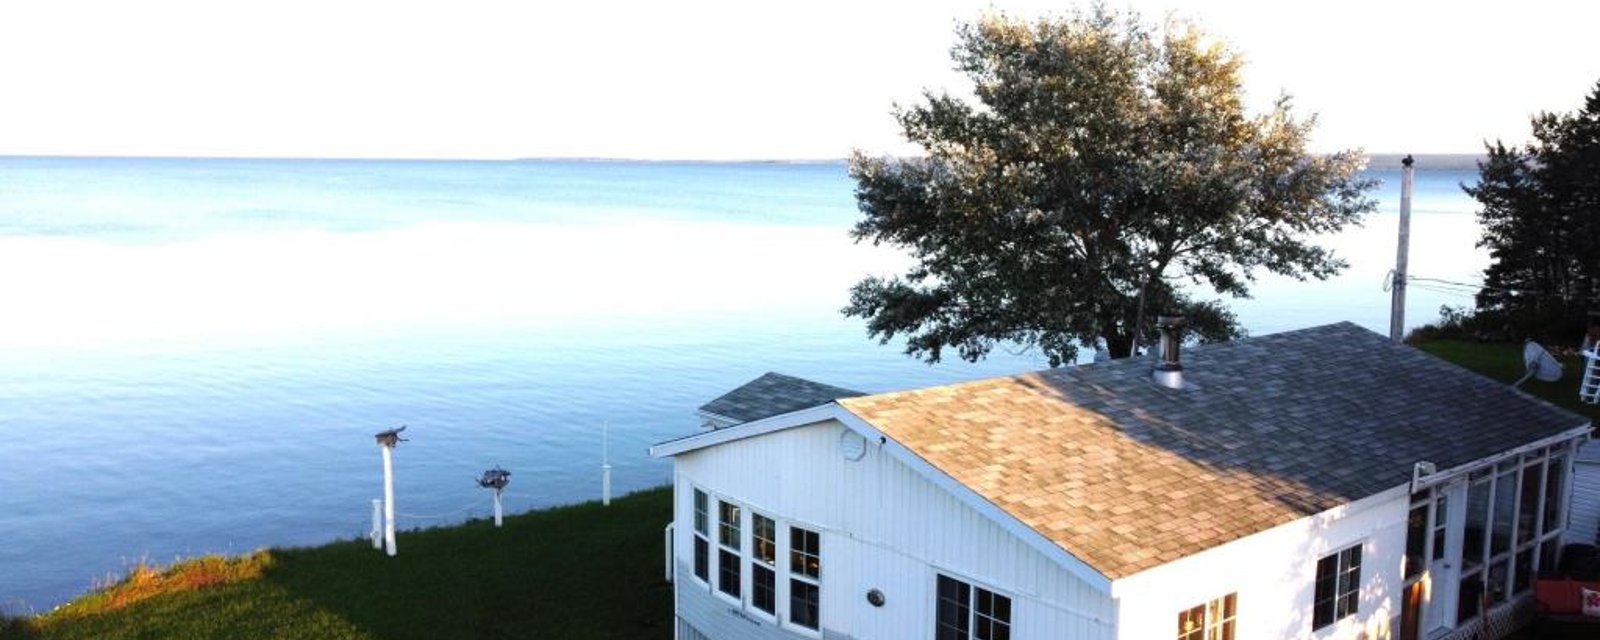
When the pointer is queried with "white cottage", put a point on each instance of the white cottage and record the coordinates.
(1321, 483)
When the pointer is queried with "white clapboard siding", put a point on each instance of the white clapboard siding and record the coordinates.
(1273, 574)
(882, 527)
(1583, 524)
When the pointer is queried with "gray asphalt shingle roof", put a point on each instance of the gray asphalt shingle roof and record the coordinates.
(773, 394)
(1127, 475)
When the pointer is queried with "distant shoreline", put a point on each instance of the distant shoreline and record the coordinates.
(1375, 161)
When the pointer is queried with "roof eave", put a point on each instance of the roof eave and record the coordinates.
(744, 430)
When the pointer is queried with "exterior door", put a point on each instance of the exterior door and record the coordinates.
(1444, 566)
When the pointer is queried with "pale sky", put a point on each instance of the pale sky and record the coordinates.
(706, 79)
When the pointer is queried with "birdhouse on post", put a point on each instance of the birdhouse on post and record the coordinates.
(386, 442)
(496, 479)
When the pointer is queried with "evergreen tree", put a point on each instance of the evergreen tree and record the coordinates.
(1541, 224)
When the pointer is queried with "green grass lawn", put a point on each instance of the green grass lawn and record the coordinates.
(1503, 361)
(583, 571)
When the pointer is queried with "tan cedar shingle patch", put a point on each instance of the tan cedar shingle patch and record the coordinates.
(1125, 475)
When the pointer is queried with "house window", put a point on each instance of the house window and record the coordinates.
(1338, 587)
(702, 537)
(763, 563)
(805, 577)
(965, 612)
(1210, 621)
(728, 553)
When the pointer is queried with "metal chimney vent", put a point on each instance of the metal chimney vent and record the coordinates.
(1169, 371)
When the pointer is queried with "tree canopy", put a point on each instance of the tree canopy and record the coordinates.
(1541, 223)
(1100, 162)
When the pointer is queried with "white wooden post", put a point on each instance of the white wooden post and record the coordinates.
(388, 500)
(605, 464)
(497, 507)
(377, 524)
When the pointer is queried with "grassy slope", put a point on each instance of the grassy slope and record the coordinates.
(583, 571)
(1503, 361)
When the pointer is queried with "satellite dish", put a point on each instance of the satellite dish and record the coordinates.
(1539, 364)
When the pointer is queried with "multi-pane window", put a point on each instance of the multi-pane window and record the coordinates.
(728, 553)
(702, 536)
(763, 563)
(966, 612)
(1338, 592)
(1512, 525)
(747, 541)
(1210, 621)
(805, 577)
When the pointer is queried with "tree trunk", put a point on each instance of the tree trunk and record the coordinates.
(1119, 345)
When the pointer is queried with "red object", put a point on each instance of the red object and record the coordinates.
(1561, 596)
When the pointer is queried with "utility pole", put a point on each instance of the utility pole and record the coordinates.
(1397, 301)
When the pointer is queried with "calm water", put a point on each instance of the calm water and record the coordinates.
(194, 354)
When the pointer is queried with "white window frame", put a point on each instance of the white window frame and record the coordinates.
(1342, 587)
(973, 587)
(792, 576)
(752, 562)
(701, 531)
(746, 551)
(737, 549)
(1214, 617)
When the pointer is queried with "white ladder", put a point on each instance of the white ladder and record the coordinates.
(1589, 389)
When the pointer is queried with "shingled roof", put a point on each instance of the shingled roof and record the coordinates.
(1126, 475)
(772, 394)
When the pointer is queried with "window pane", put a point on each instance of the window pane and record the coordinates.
(728, 529)
(1547, 556)
(1553, 481)
(952, 614)
(763, 589)
(803, 606)
(1468, 597)
(993, 619)
(701, 513)
(764, 536)
(1522, 577)
(1528, 509)
(1322, 614)
(1191, 623)
(1498, 572)
(1505, 502)
(728, 572)
(1416, 539)
(805, 552)
(1327, 571)
(1472, 546)
(702, 559)
(1441, 519)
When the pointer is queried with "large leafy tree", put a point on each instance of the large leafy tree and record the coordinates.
(1541, 223)
(1101, 163)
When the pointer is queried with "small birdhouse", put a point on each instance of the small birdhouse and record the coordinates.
(391, 437)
